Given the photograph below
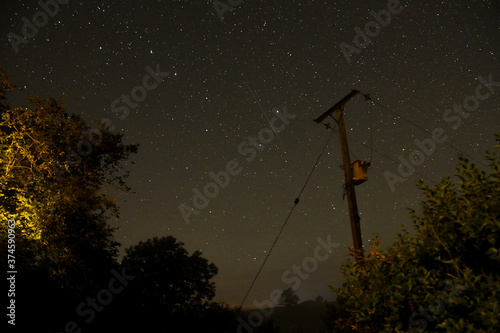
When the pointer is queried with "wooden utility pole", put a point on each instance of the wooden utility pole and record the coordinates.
(349, 185)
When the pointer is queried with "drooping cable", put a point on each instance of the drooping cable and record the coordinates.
(295, 203)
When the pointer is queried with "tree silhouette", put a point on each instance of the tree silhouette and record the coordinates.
(288, 298)
(320, 299)
(173, 288)
(168, 277)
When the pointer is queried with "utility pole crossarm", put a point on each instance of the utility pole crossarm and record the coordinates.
(337, 106)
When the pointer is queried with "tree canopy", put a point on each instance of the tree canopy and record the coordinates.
(289, 298)
(444, 278)
(53, 170)
(170, 279)
(173, 288)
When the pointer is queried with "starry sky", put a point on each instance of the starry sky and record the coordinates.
(221, 83)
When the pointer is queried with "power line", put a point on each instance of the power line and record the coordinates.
(351, 151)
(391, 159)
(368, 98)
(371, 132)
(295, 203)
(424, 129)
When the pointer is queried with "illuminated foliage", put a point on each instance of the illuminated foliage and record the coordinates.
(53, 171)
(444, 278)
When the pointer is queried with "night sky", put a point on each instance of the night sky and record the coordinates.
(229, 80)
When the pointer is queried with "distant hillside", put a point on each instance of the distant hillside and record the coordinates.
(307, 317)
